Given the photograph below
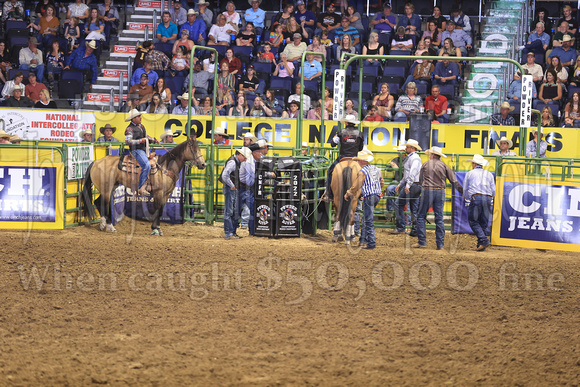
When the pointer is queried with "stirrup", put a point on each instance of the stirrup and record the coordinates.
(325, 198)
(143, 192)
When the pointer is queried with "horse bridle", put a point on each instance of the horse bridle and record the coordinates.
(191, 145)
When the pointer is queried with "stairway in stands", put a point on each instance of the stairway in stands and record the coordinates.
(487, 82)
(116, 66)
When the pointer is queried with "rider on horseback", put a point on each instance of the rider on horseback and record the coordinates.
(136, 137)
(351, 142)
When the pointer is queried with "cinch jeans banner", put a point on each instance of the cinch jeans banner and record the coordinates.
(460, 216)
(535, 213)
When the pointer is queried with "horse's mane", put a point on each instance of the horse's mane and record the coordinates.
(175, 152)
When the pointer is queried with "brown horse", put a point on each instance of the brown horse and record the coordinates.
(343, 176)
(106, 176)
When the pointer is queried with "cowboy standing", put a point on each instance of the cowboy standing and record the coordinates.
(136, 138)
(230, 177)
(371, 182)
(434, 174)
(247, 181)
(409, 189)
(351, 142)
(479, 189)
(107, 134)
(505, 145)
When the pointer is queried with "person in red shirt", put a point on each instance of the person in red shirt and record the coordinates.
(436, 105)
(33, 88)
(373, 114)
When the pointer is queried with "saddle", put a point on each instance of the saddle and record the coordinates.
(128, 163)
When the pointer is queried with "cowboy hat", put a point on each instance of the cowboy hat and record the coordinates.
(184, 96)
(263, 143)
(107, 126)
(363, 156)
(478, 159)
(33, 40)
(436, 151)
(504, 138)
(167, 133)
(304, 144)
(251, 1)
(92, 44)
(246, 152)
(350, 119)
(566, 38)
(414, 144)
(133, 113)
(534, 131)
(202, 2)
(220, 132)
(506, 105)
(251, 137)
(192, 12)
(400, 148)
(5, 135)
(15, 138)
(366, 150)
(254, 147)
(86, 131)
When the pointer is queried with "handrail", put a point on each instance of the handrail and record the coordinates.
(121, 86)
(301, 115)
(146, 38)
(154, 31)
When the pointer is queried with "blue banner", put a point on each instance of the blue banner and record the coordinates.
(460, 216)
(28, 194)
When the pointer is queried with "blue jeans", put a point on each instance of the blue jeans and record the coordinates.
(247, 198)
(230, 211)
(400, 117)
(357, 214)
(436, 199)
(368, 231)
(412, 198)
(143, 161)
(38, 70)
(479, 211)
(391, 192)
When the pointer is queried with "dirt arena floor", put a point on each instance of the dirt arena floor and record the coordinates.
(82, 307)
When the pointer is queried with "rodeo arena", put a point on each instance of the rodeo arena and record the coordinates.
(290, 193)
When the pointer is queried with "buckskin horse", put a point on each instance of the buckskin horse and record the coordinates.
(106, 175)
(344, 174)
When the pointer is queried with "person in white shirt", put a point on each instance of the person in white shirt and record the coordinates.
(306, 102)
(220, 33)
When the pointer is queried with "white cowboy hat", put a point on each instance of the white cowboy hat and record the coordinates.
(133, 113)
(251, 137)
(220, 132)
(414, 144)
(15, 138)
(86, 131)
(350, 119)
(251, 1)
(192, 12)
(184, 96)
(504, 138)
(478, 159)
(92, 44)
(400, 148)
(536, 130)
(5, 135)
(263, 143)
(167, 133)
(436, 151)
(506, 105)
(17, 87)
(245, 151)
(566, 38)
(304, 144)
(364, 156)
(202, 2)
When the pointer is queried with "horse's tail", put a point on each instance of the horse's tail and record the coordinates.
(87, 195)
(344, 211)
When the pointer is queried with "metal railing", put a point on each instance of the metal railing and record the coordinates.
(301, 115)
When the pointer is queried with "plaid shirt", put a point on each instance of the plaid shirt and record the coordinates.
(497, 119)
(159, 59)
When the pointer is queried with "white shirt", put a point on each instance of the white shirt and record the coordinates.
(220, 33)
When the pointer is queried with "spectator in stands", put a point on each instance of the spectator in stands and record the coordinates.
(461, 21)
(45, 102)
(328, 104)
(312, 68)
(436, 105)
(384, 23)
(95, 27)
(346, 29)
(272, 102)
(542, 17)
(31, 58)
(107, 134)
(572, 23)
(54, 61)
(209, 63)
(183, 41)
(373, 47)
(241, 107)
(293, 27)
(546, 118)
(5, 64)
(535, 69)
(515, 90)
(41, 6)
(283, 18)
(47, 26)
(531, 147)
(200, 80)
(221, 137)
(79, 10)
(255, 15)
(505, 145)
(204, 13)
(433, 33)
(223, 104)
(328, 20)
(144, 89)
(316, 112)
(293, 110)
(164, 91)
(220, 33)
(226, 81)
(422, 73)
(182, 107)
(317, 47)
(537, 42)
(566, 53)
(384, 102)
(146, 69)
(373, 114)
(111, 18)
(561, 72)
(345, 46)
(306, 102)
(401, 41)
(284, 68)
(349, 108)
(196, 28)
(429, 46)
(294, 50)
(250, 83)
(411, 21)
(560, 33)
(407, 103)
(246, 37)
(13, 10)
(156, 106)
(305, 18)
(12, 84)
(459, 37)
(178, 13)
(86, 135)
(551, 90)
(446, 72)
(355, 19)
(572, 109)
(159, 61)
(205, 109)
(260, 109)
(503, 118)
(179, 64)
(18, 100)
(166, 30)
(72, 33)
(32, 90)
(232, 17)
(133, 102)
(439, 19)
(234, 64)
(276, 35)
(575, 75)
(449, 49)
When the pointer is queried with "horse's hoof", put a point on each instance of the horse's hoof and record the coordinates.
(347, 243)
(334, 239)
(111, 228)
(157, 232)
